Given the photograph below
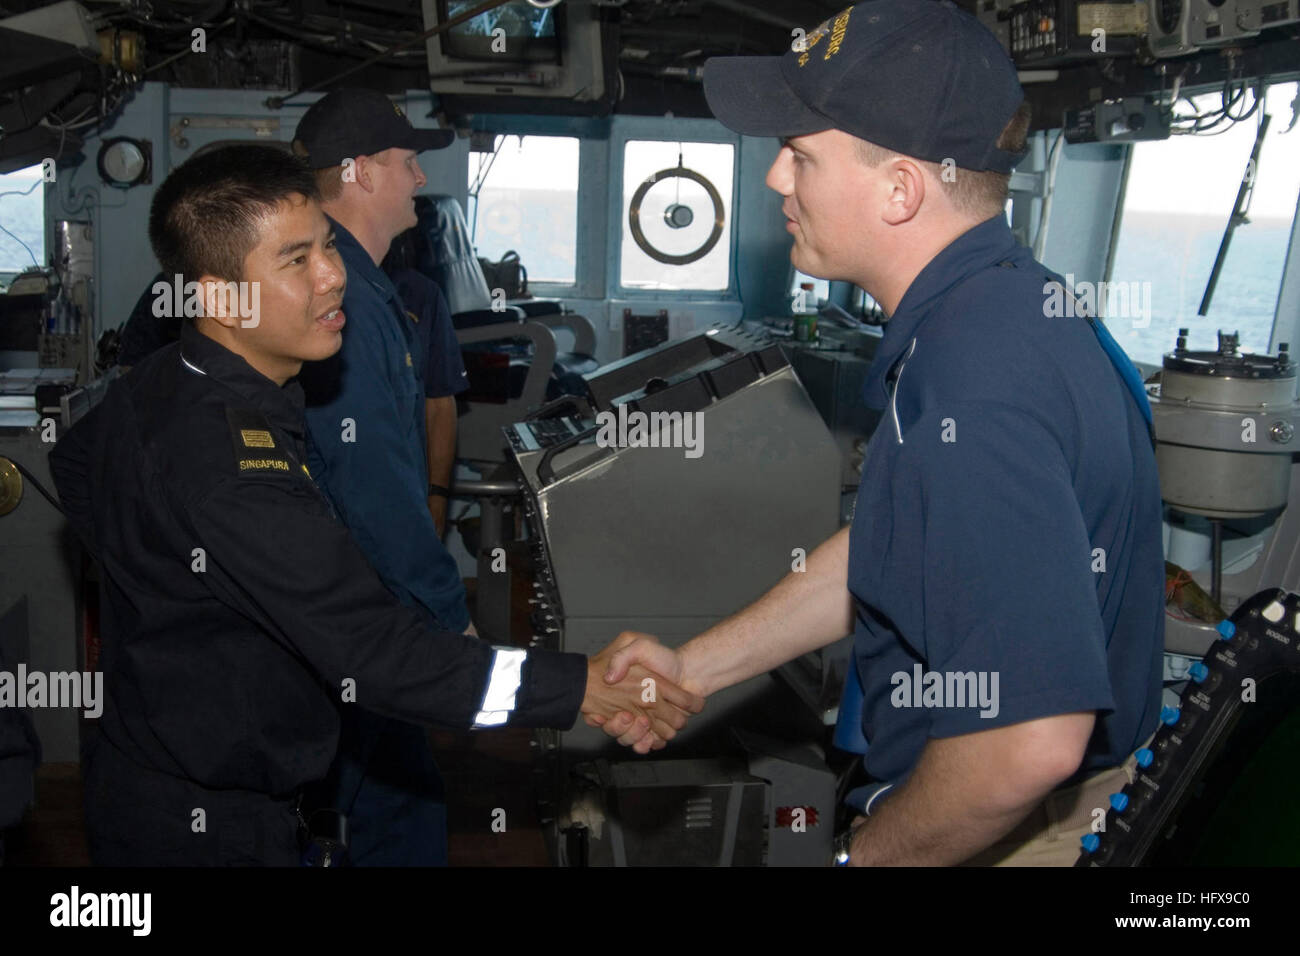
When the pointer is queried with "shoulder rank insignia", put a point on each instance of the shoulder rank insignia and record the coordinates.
(255, 448)
(257, 438)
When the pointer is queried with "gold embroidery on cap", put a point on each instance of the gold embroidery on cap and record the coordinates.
(813, 39)
(837, 34)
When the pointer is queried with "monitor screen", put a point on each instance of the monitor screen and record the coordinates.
(516, 32)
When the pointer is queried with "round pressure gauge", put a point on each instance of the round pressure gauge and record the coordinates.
(124, 162)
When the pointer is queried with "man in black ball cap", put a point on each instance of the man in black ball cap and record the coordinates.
(366, 421)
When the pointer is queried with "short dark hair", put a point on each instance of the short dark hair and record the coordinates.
(203, 220)
(982, 194)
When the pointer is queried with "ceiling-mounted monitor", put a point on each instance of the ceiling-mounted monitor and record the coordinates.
(517, 50)
(516, 32)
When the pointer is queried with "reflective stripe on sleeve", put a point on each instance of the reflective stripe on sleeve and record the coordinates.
(503, 684)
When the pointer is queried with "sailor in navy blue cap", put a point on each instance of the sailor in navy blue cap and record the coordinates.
(1003, 574)
(354, 121)
(366, 417)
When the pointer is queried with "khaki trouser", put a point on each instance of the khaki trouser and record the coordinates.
(1050, 835)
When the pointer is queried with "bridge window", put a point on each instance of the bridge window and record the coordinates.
(677, 215)
(1178, 200)
(524, 197)
(22, 218)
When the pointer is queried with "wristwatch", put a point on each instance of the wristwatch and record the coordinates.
(842, 844)
(439, 490)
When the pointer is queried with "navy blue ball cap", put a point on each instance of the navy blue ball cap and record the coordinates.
(920, 77)
(354, 122)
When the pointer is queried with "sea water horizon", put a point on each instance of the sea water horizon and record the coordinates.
(1175, 253)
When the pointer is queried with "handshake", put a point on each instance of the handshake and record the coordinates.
(638, 692)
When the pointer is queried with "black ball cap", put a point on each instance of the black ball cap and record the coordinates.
(920, 77)
(354, 122)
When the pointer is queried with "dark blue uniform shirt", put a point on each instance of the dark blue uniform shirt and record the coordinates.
(1008, 522)
(379, 480)
(437, 353)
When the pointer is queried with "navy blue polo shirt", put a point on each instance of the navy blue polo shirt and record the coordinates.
(437, 353)
(366, 448)
(1008, 524)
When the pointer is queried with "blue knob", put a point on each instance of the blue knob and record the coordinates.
(1170, 715)
(1227, 629)
(1145, 757)
(1119, 801)
(1090, 842)
(1199, 672)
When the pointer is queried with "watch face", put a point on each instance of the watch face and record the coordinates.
(843, 845)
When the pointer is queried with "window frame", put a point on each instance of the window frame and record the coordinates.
(579, 287)
(1288, 297)
(655, 129)
(7, 276)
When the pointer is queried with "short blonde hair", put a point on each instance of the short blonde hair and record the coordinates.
(330, 179)
(981, 194)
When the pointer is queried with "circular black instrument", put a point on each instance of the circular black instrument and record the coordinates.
(634, 217)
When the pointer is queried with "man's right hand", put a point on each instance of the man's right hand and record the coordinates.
(805, 611)
(633, 649)
(636, 722)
